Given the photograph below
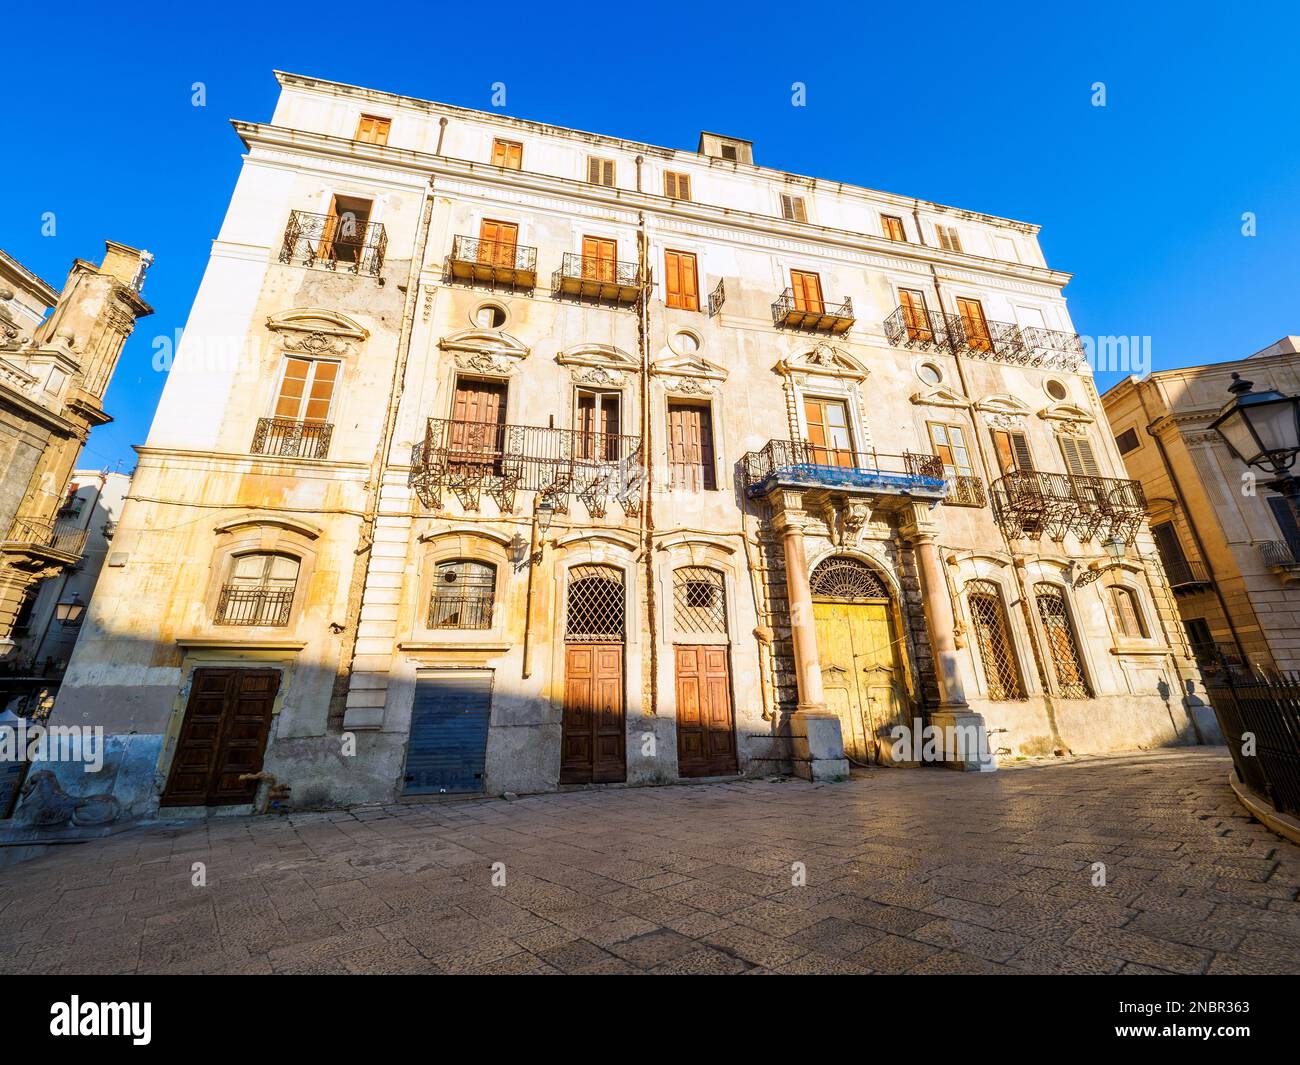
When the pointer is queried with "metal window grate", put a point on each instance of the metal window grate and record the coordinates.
(699, 606)
(990, 620)
(1063, 649)
(846, 578)
(462, 596)
(595, 613)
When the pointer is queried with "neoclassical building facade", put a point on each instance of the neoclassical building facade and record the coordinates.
(500, 457)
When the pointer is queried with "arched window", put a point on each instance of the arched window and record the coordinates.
(1062, 647)
(699, 606)
(258, 590)
(595, 609)
(992, 636)
(463, 594)
(1128, 618)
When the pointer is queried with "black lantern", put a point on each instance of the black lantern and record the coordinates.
(1261, 428)
(69, 613)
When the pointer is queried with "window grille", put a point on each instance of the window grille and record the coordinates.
(699, 606)
(1061, 645)
(1001, 676)
(463, 593)
(846, 578)
(258, 591)
(595, 613)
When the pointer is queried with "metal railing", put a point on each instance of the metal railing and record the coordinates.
(797, 460)
(1047, 349)
(460, 612)
(1266, 707)
(471, 457)
(593, 272)
(1031, 502)
(242, 604)
(62, 538)
(1186, 572)
(1278, 553)
(966, 490)
(504, 255)
(805, 313)
(717, 297)
(334, 241)
(292, 439)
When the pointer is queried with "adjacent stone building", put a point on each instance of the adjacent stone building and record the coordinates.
(1230, 545)
(499, 456)
(54, 370)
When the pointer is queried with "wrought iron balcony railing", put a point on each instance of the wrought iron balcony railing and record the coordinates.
(799, 312)
(242, 604)
(460, 612)
(793, 463)
(58, 537)
(1278, 554)
(966, 490)
(334, 241)
(717, 297)
(469, 458)
(927, 330)
(1031, 502)
(291, 439)
(493, 261)
(1186, 574)
(593, 277)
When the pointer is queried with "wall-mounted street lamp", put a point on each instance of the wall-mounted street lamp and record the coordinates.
(1263, 430)
(69, 612)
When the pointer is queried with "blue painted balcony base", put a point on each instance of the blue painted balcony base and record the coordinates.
(851, 479)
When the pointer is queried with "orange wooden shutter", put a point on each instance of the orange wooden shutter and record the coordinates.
(974, 324)
(497, 241)
(914, 314)
(807, 290)
(680, 280)
(598, 257)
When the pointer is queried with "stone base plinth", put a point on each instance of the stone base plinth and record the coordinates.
(817, 745)
(962, 740)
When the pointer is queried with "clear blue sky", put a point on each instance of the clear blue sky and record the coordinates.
(990, 109)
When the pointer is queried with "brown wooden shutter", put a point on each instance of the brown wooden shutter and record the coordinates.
(893, 227)
(792, 207)
(598, 258)
(497, 242)
(508, 154)
(1012, 450)
(915, 317)
(690, 446)
(1079, 457)
(600, 171)
(372, 130)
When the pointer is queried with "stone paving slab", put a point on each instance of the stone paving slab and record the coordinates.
(896, 871)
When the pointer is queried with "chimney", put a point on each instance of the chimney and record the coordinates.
(731, 149)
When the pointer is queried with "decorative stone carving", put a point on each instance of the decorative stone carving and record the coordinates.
(315, 331)
(1067, 419)
(1003, 412)
(493, 352)
(611, 365)
(691, 375)
(826, 360)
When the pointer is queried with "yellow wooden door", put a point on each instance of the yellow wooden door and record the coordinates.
(862, 675)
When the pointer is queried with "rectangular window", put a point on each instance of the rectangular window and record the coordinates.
(306, 390)
(1079, 458)
(807, 291)
(950, 445)
(681, 282)
(949, 240)
(893, 226)
(344, 234)
(728, 151)
(497, 242)
(677, 186)
(599, 421)
(827, 422)
(1128, 441)
(1012, 448)
(915, 315)
(373, 130)
(600, 171)
(974, 325)
(599, 258)
(793, 208)
(690, 446)
(508, 154)
(477, 429)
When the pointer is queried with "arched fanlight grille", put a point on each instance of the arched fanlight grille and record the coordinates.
(846, 578)
(595, 608)
(699, 606)
(989, 619)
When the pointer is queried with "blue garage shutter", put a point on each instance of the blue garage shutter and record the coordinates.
(449, 726)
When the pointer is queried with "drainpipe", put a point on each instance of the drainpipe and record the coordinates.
(647, 495)
(639, 160)
(442, 130)
(1191, 523)
(533, 562)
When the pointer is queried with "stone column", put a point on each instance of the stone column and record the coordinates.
(814, 730)
(962, 735)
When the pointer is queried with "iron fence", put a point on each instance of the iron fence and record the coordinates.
(460, 611)
(242, 604)
(1278, 553)
(1186, 573)
(333, 241)
(292, 439)
(1261, 713)
(717, 298)
(596, 270)
(966, 490)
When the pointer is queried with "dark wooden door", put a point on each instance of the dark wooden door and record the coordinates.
(478, 425)
(223, 737)
(447, 752)
(706, 728)
(593, 748)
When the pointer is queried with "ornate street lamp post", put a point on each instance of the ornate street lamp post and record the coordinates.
(1263, 430)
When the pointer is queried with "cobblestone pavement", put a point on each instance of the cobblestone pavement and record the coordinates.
(908, 871)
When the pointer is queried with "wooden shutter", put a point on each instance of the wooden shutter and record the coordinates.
(915, 316)
(950, 445)
(306, 389)
(792, 207)
(807, 290)
(974, 324)
(600, 171)
(681, 282)
(690, 446)
(598, 258)
(893, 227)
(508, 154)
(828, 432)
(948, 238)
(497, 242)
(677, 186)
(373, 130)
(1012, 450)
(1079, 459)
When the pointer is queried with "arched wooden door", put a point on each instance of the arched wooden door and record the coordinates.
(861, 659)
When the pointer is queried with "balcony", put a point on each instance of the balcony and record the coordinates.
(290, 439)
(333, 242)
(594, 278)
(794, 464)
(492, 262)
(242, 604)
(1186, 575)
(1044, 349)
(817, 316)
(1282, 558)
(469, 458)
(966, 491)
(1031, 503)
(56, 541)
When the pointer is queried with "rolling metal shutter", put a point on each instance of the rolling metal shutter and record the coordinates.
(447, 752)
